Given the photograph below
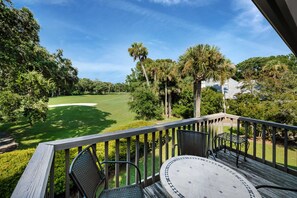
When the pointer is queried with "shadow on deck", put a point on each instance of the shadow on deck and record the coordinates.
(256, 172)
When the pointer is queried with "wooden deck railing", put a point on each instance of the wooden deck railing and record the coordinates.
(38, 177)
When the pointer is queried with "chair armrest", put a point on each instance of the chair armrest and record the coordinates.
(276, 187)
(124, 162)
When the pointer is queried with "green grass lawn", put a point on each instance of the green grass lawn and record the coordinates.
(110, 112)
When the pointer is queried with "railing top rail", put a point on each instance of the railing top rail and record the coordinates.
(92, 139)
(268, 123)
(33, 182)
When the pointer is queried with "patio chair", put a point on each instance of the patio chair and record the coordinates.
(193, 143)
(88, 175)
(276, 187)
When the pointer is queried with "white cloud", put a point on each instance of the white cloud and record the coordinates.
(55, 2)
(160, 17)
(188, 2)
(249, 17)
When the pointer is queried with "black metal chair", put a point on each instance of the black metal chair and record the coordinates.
(193, 143)
(276, 187)
(88, 175)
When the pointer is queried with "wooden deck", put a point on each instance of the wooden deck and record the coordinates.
(256, 172)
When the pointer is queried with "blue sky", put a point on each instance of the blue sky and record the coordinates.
(96, 34)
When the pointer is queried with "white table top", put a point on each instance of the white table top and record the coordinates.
(191, 176)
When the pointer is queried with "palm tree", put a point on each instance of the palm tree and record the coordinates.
(202, 63)
(138, 51)
(166, 75)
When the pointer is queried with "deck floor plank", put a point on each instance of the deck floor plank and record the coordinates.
(257, 173)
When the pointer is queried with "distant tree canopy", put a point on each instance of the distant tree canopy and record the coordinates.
(253, 66)
(87, 86)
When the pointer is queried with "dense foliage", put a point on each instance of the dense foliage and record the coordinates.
(145, 103)
(12, 166)
(88, 86)
(28, 72)
(211, 103)
(203, 62)
(269, 90)
(173, 81)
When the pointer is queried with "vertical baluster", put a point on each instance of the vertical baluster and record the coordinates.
(254, 140)
(263, 142)
(173, 142)
(286, 150)
(167, 144)
(117, 167)
(136, 157)
(145, 159)
(184, 127)
(52, 179)
(106, 165)
(231, 132)
(205, 126)
(67, 187)
(194, 127)
(128, 159)
(177, 136)
(153, 156)
(246, 136)
(273, 147)
(189, 127)
(236, 142)
(222, 126)
(160, 149)
(209, 132)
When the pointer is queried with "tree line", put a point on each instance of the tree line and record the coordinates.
(269, 89)
(88, 86)
(163, 86)
(166, 87)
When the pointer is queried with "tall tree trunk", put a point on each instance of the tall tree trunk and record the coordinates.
(197, 98)
(145, 75)
(166, 104)
(224, 99)
(169, 104)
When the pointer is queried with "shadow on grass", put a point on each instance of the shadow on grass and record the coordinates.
(61, 123)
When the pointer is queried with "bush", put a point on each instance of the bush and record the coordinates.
(145, 104)
(12, 166)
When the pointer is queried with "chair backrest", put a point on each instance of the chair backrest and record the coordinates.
(192, 143)
(86, 173)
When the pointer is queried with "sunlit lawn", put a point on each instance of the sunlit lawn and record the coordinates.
(72, 121)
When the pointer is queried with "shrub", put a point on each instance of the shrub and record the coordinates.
(12, 166)
(145, 104)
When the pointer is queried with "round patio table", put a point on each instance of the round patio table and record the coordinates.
(192, 176)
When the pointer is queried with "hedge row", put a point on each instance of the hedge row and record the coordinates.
(12, 165)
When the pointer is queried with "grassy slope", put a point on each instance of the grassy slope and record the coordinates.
(72, 121)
